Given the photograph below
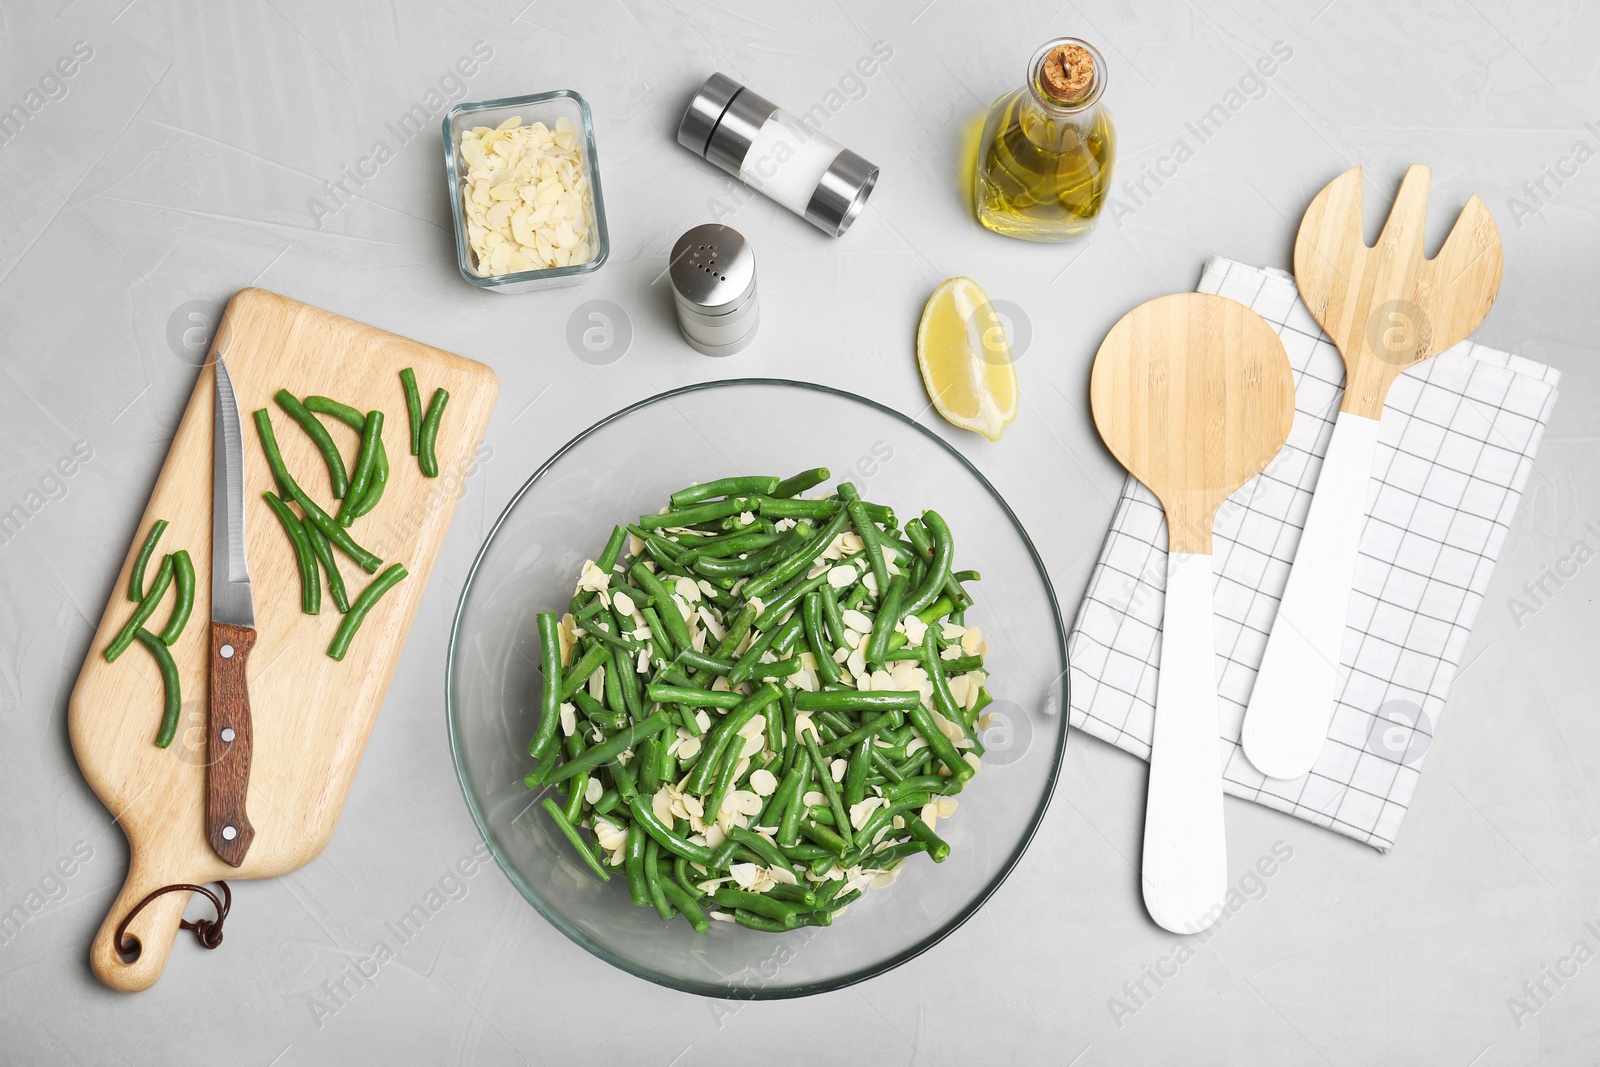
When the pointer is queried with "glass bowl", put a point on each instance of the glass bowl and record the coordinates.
(628, 463)
(545, 108)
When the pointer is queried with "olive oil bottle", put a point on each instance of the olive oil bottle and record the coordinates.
(1044, 163)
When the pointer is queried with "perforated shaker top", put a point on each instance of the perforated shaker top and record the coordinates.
(713, 269)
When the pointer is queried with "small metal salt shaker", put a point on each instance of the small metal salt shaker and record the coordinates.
(713, 271)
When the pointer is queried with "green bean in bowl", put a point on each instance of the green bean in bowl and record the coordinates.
(765, 703)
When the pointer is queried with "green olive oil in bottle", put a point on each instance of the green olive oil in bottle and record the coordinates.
(1044, 163)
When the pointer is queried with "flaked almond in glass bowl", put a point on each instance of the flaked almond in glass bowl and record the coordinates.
(525, 191)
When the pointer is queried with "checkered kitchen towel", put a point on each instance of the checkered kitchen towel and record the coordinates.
(1455, 449)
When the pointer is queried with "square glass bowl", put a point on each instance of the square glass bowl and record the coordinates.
(540, 107)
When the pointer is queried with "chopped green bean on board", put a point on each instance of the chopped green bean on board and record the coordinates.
(176, 570)
(758, 705)
(136, 590)
(428, 436)
(338, 477)
(363, 604)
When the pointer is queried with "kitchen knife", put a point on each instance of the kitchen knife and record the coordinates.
(233, 634)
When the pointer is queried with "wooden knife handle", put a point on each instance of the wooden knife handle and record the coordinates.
(228, 743)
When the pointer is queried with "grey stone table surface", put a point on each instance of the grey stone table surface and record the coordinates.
(193, 150)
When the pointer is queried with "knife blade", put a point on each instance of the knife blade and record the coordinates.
(233, 634)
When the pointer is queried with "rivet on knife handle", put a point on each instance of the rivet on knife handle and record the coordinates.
(228, 743)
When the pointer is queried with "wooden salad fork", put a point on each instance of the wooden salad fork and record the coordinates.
(1387, 308)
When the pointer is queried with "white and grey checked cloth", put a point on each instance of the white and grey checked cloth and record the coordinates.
(1455, 449)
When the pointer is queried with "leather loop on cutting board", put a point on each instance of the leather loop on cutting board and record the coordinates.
(207, 931)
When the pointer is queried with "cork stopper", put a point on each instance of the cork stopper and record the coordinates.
(1068, 73)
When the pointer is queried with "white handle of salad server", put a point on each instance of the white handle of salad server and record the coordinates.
(1185, 847)
(1292, 703)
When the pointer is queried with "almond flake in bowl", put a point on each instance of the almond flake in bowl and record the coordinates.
(526, 197)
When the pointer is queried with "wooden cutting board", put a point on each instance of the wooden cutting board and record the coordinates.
(311, 714)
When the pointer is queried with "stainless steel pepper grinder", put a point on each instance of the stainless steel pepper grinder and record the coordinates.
(713, 273)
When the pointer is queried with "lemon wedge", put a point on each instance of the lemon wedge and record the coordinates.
(965, 359)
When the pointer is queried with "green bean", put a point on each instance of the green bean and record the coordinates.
(613, 550)
(927, 783)
(699, 698)
(938, 743)
(789, 824)
(141, 614)
(690, 658)
(855, 775)
(136, 590)
(580, 671)
(752, 921)
(692, 515)
(860, 734)
(799, 483)
(645, 817)
(305, 558)
(797, 894)
(755, 903)
(366, 463)
(832, 616)
(324, 554)
(722, 487)
(889, 614)
(801, 559)
(427, 440)
(783, 508)
(627, 681)
(849, 700)
(939, 573)
(605, 751)
(817, 638)
(598, 713)
(677, 630)
(633, 866)
(942, 697)
(654, 881)
(730, 545)
(823, 836)
(336, 534)
(269, 446)
(967, 576)
(172, 699)
(778, 803)
(183, 578)
(770, 671)
(717, 567)
(830, 788)
(570, 832)
(320, 437)
(352, 418)
(786, 600)
(871, 536)
(711, 752)
(763, 848)
(917, 534)
(731, 756)
(580, 783)
(687, 905)
(752, 655)
(408, 382)
(551, 696)
(363, 603)
(938, 849)
(623, 777)
(665, 549)
(884, 816)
